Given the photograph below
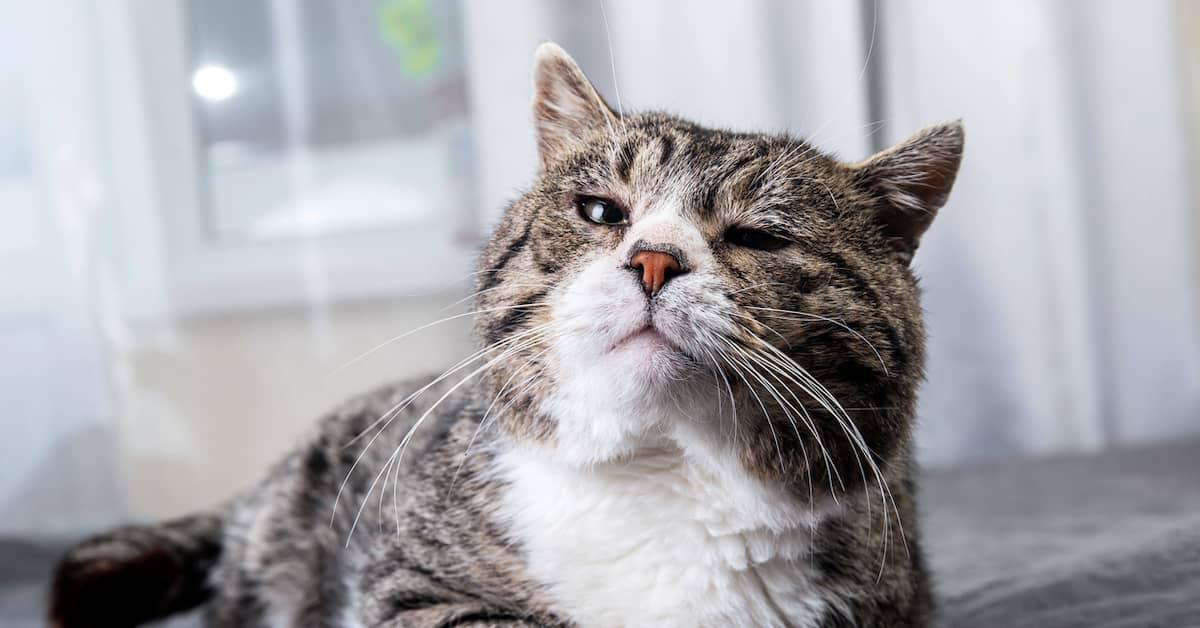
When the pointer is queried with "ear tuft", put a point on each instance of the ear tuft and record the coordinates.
(566, 106)
(914, 179)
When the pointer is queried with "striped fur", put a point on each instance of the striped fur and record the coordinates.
(442, 534)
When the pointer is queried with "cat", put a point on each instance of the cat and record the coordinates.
(693, 406)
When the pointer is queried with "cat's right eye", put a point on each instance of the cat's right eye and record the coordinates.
(756, 239)
(601, 211)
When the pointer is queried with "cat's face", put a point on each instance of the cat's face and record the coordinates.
(663, 284)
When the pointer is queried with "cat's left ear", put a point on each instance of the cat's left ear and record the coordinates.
(566, 106)
(913, 179)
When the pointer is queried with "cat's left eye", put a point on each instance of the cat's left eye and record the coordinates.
(757, 239)
(602, 211)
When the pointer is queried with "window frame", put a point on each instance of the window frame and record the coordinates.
(207, 275)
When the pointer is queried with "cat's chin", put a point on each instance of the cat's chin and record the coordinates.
(646, 339)
(648, 351)
(650, 358)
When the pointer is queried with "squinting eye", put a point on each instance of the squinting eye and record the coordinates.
(601, 212)
(755, 239)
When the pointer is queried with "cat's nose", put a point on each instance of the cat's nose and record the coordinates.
(657, 268)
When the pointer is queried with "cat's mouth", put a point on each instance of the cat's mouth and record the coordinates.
(645, 338)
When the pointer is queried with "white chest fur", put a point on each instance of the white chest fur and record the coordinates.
(659, 541)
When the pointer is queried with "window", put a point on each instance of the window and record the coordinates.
(335, 117)
(316, 151)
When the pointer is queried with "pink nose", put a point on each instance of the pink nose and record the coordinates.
(657, 269)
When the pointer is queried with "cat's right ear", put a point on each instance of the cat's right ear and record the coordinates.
(566, 106)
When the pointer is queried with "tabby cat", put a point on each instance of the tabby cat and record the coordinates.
(693, 406)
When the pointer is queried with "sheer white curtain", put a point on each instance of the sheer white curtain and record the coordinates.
(57, 444)
(1060, 281)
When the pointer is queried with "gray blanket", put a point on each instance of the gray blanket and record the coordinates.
(1109, 540)
(1098, 541)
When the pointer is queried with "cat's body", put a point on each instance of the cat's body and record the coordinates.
(691, 341)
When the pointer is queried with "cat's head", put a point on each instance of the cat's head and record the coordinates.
(664, 284)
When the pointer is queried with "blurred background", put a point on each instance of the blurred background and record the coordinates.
(208, 207)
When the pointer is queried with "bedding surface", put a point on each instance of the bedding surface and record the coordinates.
(1109, 540)
(1099, 541)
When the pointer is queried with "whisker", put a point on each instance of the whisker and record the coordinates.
(392, 413)
(822, 395)
(757, 285)
(733, 362)
(774, 371)
(787, 413)
(828, 320)
(732, 401)
(768, 327)
(453, 369)
(612, 62)
(800, 409)
(427, 326)
(404, 444)
(828, 401)
(529, 362)
(398, 453)
(505, 285)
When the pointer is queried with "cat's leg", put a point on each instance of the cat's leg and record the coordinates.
(473, 615)
(418, 597)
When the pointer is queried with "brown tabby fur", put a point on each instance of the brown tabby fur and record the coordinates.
(839, 299)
